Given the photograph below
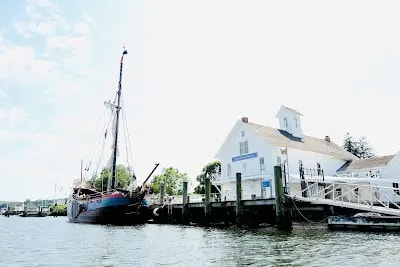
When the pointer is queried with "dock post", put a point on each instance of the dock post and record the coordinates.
(184, 201)
(283, 216)
(162, 190)
(238, 198)
(207, 184)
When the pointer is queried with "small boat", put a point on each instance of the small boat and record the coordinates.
(115, 205)
(5, 211)
(369, 221)
(42, 211)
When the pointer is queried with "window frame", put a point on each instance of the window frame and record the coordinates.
(246, 147)
(262, 164)
(285, 122)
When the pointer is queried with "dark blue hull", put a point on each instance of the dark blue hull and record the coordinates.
(112, 209)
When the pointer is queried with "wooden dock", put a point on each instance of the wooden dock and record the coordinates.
(274, 211)
(279, 211)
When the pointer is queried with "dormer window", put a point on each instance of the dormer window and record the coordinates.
(289, 121)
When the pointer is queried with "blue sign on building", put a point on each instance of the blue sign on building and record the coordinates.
(242, 157)
(266, 183)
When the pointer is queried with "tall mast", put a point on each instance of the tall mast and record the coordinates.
(118, 107)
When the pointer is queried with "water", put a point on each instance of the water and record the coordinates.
(55, 242)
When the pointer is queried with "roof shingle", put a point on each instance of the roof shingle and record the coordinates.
(282, 138)
(360, 164)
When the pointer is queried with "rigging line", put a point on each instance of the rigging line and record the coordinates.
(102, 133)
(102, 136)
(123, 118)
(127, 152)
(124, 123)
(100, 157)
(301, 214)
(128, 156)
(103, 145)
(129, 141)
(97, 141)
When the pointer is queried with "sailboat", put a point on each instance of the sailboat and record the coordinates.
(115, 205)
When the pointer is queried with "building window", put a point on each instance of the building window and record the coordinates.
(243, 133)
(396, 186)
(229, 170)
(285, 122)
(278, 161)
(262, 165)
(295, 122)
(246, 147)
(244, 167)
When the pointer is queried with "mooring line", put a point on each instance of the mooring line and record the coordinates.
(305, 217)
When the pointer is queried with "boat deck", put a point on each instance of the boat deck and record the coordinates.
(365, 223)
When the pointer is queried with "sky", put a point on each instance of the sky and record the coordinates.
(193, 69)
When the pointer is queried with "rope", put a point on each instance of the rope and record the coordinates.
(129, 154)
(96, 141)
(125, 130)
(128, 138)
(304, 217)
(104, 142)
(102, 137)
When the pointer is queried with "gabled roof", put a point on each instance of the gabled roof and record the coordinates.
(284, 139)
(361, 164)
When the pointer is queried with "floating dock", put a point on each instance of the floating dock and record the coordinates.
(365, 222)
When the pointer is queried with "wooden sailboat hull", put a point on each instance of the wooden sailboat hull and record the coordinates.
(111, 209)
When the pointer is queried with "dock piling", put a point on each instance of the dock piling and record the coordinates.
(238, 198)
(283, 216)
(207, 184)
(184, 201)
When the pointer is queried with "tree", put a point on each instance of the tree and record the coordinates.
(172, 179)
(360, 147)
(349, 144)
(364, 149)
(124, 175)
(209, 170)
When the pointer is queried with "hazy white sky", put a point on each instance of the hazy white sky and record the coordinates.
(193, 69)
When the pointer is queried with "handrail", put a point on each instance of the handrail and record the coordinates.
(372, 196)
(195, 198)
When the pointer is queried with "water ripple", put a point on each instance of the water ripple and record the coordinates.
(55, 242)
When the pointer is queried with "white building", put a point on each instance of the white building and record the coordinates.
(253, 150)
(378, 167)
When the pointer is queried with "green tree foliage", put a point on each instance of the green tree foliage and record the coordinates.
(364, 149)
(349, 143)
(172, 179)
(358, 147)
(100, 183)
(209, 170)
